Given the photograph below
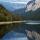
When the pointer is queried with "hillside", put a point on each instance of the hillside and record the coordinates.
(20, 12)
(33, 15)
(6, 15)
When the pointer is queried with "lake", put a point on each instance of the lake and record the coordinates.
(17, 31)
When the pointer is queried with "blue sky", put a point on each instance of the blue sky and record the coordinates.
(17, 1)
(14, 4)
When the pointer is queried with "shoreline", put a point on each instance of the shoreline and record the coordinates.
(25, 21)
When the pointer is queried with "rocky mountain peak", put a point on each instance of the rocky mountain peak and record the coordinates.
(33, 5)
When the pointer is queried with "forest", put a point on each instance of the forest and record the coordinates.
(6, 15)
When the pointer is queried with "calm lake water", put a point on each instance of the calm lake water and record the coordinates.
(17, 31)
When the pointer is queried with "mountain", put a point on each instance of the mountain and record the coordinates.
(33, 5)
(33, 15)
(12, 6)
(33, 10)
(6, 15)
(20, 12)
(30, 2)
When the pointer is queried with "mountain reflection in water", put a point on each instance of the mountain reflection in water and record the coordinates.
(18, 28)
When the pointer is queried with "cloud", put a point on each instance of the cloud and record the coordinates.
(16, 1)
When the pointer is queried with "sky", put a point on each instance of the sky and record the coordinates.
(16, 1)
(17, 4)
(11, 7)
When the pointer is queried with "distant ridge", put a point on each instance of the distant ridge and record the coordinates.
(20, 12)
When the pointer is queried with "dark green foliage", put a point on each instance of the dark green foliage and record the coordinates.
(5, 15)
(33, 15)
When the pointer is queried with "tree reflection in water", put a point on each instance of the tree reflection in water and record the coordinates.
(10, 27)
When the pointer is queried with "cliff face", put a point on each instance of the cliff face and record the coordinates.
(33, 5)
(33, 35)
(37, 5)
(33, 10)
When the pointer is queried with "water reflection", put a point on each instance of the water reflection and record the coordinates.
(13, 31)
(11, 27)
(15, 36)
(17, 29)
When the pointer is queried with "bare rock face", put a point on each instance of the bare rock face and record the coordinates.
(33, 5)
(33, 35)
(37, 5)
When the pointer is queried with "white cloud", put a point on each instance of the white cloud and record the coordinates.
(16, 1)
